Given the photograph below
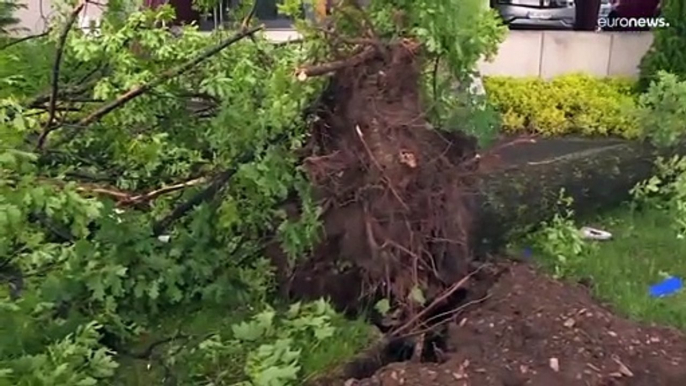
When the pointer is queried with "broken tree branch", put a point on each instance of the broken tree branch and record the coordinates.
(124, 198)
(411, 323)
(137, 91)
(216, 185)
(128, 199)
(61, 41)
(206, 195)
(325, 68)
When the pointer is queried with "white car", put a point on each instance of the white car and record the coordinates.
(543, 13)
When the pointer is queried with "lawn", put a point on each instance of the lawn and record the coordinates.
(644, 250)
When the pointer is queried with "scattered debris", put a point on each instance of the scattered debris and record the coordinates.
(554, 364)
(595, 234)
(667, 287)
(622, 368)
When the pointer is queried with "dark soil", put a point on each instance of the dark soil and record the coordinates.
(528, 323)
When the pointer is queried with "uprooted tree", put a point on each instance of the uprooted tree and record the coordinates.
(149, 174)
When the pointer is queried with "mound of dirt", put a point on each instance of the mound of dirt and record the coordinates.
(535, 331)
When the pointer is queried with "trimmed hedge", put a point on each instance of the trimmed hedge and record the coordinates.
(569, 104)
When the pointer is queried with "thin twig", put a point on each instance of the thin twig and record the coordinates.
(207, 194)
(61, 41)
(454, 312)
(246, 21)
(325, 68)
(24, 39)
(264, 58)
(124, 198)
(496, 149)
(165, 76)
(381, 170)
(446, 294)
(434, 77)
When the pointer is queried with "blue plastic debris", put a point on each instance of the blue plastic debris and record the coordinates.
(527, 253)
(667, 287)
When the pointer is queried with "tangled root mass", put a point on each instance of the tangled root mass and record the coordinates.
(395, 190)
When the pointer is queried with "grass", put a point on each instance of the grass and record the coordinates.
(644, 250)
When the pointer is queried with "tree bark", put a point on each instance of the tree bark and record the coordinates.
(587, 15)
(521, 196)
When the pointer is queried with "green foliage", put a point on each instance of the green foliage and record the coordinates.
(668, 49)
(666, 191)
(21, 78)
(455, 34)
(87, 277)
(459, 32)
(271, 347)
(78, 359)
(473, 114)
(560, 240)
(661, 111)
(82, 259)
(570, 104)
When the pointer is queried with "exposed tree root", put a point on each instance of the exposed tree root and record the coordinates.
(397, 194)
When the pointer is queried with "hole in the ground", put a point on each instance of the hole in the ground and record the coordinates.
(586, 282)
(434, 345)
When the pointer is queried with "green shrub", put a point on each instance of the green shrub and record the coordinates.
(668, 51)
(661, 111)
(570, 104)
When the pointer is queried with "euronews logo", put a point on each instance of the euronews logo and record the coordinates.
(632, 22)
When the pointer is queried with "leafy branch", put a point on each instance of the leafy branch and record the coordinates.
(134, 92)
(56, 72)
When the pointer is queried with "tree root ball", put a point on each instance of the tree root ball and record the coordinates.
(396, 192)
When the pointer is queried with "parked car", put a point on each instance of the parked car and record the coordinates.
(536, 13)
(542, 13)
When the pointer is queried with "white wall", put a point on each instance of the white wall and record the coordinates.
(35, 16)
(551, 53)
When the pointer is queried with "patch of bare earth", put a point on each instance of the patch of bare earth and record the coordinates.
(536, 331)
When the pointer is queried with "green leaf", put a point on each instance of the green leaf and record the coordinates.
(417, 295)
(383, 306)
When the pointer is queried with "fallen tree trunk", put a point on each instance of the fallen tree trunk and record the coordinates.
(522, 195)
(513, 198)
